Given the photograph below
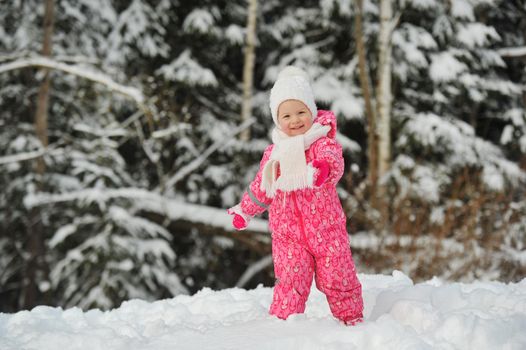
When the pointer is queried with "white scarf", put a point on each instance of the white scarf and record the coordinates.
(289, 155)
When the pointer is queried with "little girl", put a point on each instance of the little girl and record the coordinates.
(296, 182)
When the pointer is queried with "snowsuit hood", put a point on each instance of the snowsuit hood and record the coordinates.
(327, 118)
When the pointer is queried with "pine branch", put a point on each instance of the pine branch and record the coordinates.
(148, 201)
(20, 157)
(512, 51)
(82, 72)
(197, 162)
(253, 269)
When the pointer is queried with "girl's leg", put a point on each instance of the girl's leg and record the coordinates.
(336, 278)
(293, 268)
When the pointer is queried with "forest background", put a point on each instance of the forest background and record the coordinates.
(128, 127)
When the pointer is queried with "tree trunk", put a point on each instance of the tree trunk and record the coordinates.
(43, 93)
(248, 68)
(384, 100)
(36, 269)
(522, 162)
(372, 148)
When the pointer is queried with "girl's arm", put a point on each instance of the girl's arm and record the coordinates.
(329, 153)
(254, 201)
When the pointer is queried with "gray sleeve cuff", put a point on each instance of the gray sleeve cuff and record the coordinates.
(255, 200)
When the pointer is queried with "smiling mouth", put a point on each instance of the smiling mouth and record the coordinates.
(297, 127)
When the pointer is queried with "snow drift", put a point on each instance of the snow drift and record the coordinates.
(399, 315)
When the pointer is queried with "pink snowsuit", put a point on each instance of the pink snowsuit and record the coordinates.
(309, 236)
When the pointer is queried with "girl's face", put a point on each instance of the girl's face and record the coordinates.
(294, 118)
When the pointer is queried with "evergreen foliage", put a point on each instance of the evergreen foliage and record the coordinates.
(456, 186)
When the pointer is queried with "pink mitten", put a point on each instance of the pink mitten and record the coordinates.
(323, 171)
(239, 221)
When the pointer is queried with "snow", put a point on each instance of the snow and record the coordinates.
(119, 40)
(235, 34)
(462, 9)
(139, 227)
(199, 20)
(61, 234)
(254, 269)
(174, 209)
(348, 144)
(398, 315)
(516, 116)
(185, 69)
(512, 51)
(437, 215)
(445, 67)
(458, 140)
(179, 210)
(409, 39)
(21, 157)
(84, 72)
(133, 26)
(507, 134)
(422, 4)
(222, 139)
(364, 240)
(343, 6)
(493, 178)
(341, 95)
(476, 35)
(426, 186)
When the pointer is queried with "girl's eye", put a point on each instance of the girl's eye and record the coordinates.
(285, 117)
(302, 112)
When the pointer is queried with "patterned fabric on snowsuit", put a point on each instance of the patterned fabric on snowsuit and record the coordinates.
(309, 236)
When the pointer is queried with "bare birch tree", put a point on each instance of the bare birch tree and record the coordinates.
(377, 103)
(384, 101)
(248, 68)
(365, 82)
(384, 95)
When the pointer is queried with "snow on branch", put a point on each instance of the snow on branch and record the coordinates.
(193, 165)
(513, 51)
(88, 196)
(13, 56)
(83, 72)
(159, 134)
(20, 157)
(254, 269)
(104, 132)
(146, 200)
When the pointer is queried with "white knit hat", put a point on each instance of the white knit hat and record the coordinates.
(292, 84)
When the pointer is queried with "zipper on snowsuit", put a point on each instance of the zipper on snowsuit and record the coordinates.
(300, 217)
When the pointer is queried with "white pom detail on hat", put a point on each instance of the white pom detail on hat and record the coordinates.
(292, 84)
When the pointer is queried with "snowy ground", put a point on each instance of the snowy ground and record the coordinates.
(399, 315)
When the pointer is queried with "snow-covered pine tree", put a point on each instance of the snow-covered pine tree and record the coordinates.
(29, 283)
(104, 252)
(85, 137)
(509, 19)
(452, 92)
(200, 93)
(188, 55)
(16, 179)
